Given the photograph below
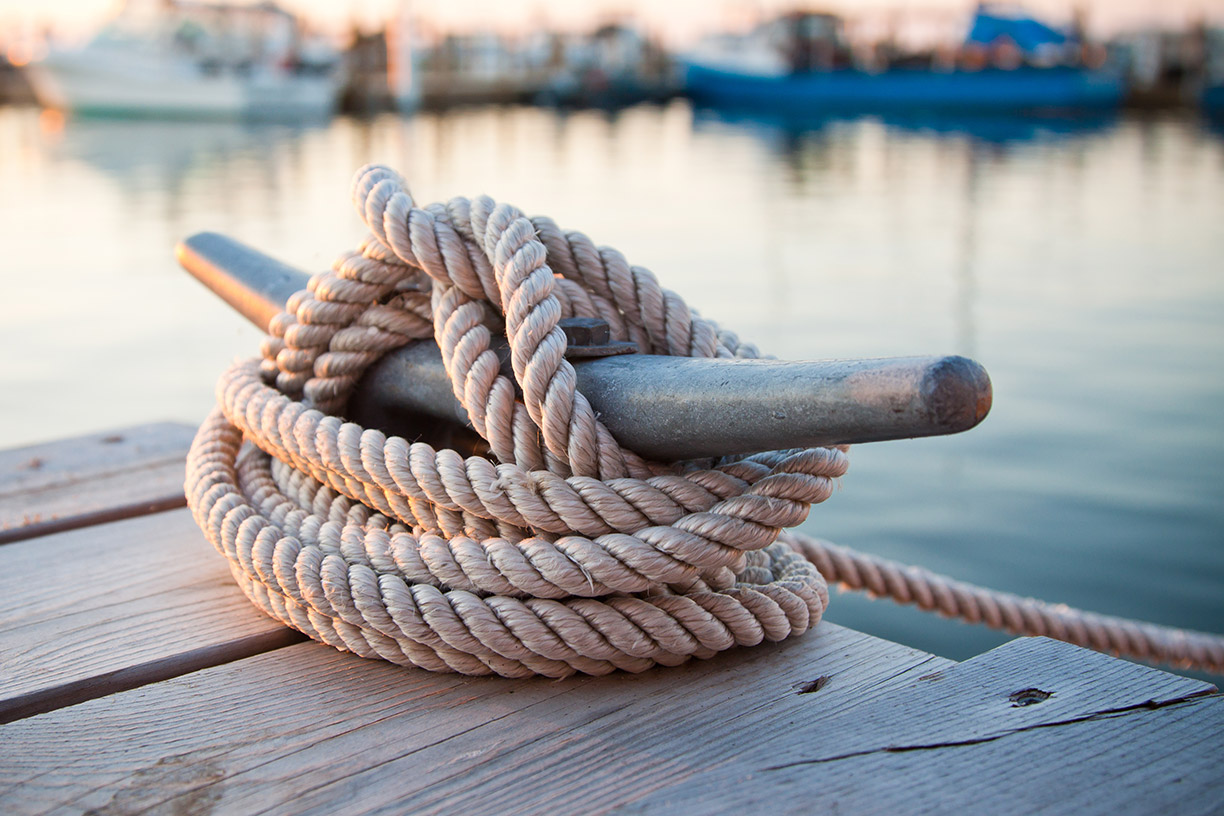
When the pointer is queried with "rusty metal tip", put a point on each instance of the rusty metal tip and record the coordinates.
(182, 250)
(193, 250)
(958, 392)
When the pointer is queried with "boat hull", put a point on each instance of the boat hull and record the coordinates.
(127, 85)
(841, 89)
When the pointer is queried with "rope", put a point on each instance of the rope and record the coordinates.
(552, 549)
(1020, 616)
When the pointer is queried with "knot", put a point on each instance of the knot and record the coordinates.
(559, 550)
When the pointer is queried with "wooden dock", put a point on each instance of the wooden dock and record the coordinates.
(135, 677)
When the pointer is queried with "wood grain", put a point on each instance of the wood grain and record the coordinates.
(92, 479)
(306, 729)
(110, 607)
(1111, 737)
(1145, 761)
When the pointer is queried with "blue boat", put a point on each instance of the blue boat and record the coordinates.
(1006, 63)
(1023, 88)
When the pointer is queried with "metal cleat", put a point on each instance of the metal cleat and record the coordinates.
(664, 408)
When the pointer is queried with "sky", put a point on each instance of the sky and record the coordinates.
(676, 21)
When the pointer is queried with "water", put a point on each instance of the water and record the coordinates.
(1079, 261)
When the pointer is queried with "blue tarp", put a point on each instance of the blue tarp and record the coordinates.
(990, 26)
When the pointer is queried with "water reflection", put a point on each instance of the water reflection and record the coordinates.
(966, 285)
(986, 129)
(163, 153)
(161, 172)
(1214, 122)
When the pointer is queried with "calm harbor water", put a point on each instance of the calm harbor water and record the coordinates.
(1082, 262)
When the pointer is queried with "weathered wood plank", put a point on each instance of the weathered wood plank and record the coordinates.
(105, 608)
(306, 729)
(982, 736)
(1144, 761)
(92, 479)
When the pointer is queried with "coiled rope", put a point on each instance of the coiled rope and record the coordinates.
(559, 551)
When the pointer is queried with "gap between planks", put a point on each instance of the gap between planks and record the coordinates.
(94, 479)
(111, 607)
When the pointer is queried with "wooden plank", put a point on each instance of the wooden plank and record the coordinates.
(306, 729)
(1164, 760)
(982, 736)
(92, 479)
(101, 609)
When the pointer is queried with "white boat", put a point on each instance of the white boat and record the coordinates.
(189, 59)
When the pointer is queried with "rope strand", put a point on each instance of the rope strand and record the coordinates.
(561, 551)
(950, 598)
